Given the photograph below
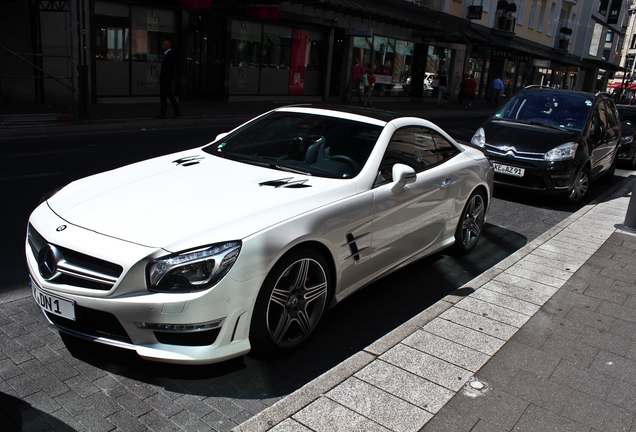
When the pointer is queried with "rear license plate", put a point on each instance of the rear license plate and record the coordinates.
(510, 170)
(53, 304)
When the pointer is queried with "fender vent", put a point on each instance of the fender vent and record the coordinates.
(189, 160)
(286, 183)
(353, 246)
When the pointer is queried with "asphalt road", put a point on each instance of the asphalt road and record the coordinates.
(32, 167)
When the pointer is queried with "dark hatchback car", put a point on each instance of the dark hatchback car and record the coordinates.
(552, 141)
(627, 152)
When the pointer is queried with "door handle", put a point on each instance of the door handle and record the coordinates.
(445, 183)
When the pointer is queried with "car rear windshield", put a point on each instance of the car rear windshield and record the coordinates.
(564, 110)
(306, 143)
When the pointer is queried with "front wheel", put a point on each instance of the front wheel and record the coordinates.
(291, 303)
(470, 223)
(581, 187)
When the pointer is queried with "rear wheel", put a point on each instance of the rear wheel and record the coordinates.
(470, 224)
(291, 303)
(581, 187)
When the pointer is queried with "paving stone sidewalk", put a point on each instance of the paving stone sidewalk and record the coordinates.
(545, 340)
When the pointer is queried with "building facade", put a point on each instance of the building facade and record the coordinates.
(100, 51)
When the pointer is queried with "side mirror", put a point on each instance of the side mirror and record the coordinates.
(402, 175)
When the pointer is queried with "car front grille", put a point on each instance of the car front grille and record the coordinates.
(73, 268)
(511, 152)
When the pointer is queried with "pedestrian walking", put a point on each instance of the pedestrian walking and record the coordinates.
(166, 77)
(355, 77)
(442, 89)
(469, 89)
(368, 80)
(461, 95)
(497, 89)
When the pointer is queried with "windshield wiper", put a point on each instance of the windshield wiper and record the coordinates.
(270, 162)
(535, 123)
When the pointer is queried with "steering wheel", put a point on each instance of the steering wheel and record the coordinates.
(348, 160)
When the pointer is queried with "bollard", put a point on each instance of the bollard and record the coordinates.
(630, 217)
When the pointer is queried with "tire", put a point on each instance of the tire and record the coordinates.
(581, 187)
(470, 223)
(290, 304)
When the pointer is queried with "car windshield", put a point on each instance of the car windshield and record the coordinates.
(562, 110)
(303, 143)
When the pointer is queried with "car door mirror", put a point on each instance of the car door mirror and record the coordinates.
(602, 132)
(402, 175)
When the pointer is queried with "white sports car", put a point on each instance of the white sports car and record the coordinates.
(202, 255)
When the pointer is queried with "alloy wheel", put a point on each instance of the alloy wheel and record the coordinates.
(297, 302)
(472, 221)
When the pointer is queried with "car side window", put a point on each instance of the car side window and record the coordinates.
(610, 114)
(416, 147)
(444, 149)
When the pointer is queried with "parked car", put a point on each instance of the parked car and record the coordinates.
(202, 255)
(627, 150)
(552, 141)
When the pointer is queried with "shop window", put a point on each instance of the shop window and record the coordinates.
(111, 38)
(276, 51)
(112, 44)
(112, 48)
(246, 53)
(402, 61)
(313, 60)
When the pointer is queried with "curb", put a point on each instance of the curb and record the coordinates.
(291, 404)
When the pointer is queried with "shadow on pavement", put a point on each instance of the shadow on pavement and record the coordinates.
(346, 329)
(21, 416)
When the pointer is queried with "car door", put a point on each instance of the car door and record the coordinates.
(603, 138)
(411, 218)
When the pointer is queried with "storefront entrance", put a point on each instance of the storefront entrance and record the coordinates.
(205, 57)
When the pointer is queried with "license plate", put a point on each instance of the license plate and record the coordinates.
(510, 170)
(53, 304)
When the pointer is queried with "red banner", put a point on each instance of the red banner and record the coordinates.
(297, 66)
(262, 12)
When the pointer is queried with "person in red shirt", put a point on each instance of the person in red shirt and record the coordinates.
(354, 79)
(469, 89)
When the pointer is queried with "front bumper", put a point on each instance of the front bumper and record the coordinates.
(550, 178)
(158, 326)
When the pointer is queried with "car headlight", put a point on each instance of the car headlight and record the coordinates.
(193, 270)
(479, 138)
(562, 152)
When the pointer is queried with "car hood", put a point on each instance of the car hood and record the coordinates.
(164, 201)
(526, 138)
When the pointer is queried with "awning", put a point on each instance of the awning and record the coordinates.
(402, 13)
(619, 85)
(536, 50)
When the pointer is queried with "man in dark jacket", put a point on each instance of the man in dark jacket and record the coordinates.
(165, 81)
